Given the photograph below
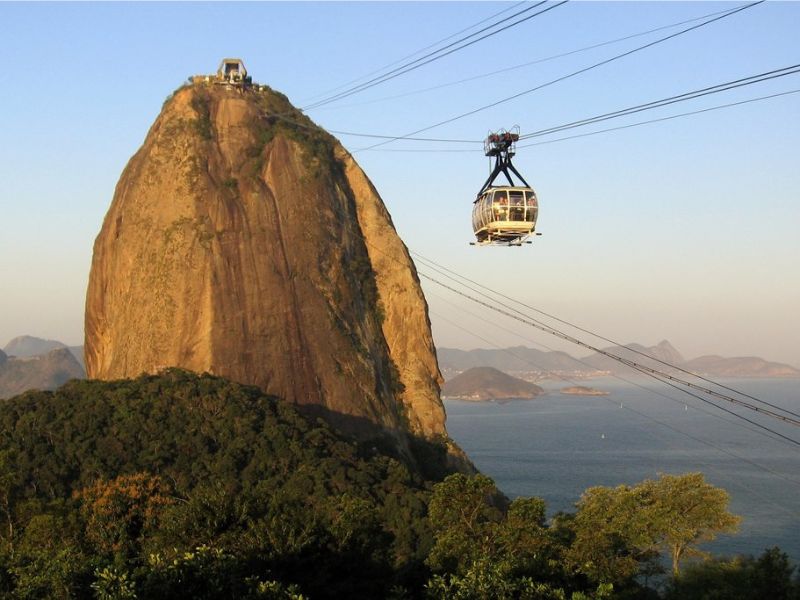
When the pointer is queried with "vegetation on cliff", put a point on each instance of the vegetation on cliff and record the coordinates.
(188, 486)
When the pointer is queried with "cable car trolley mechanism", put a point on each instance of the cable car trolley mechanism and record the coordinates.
(505, 214)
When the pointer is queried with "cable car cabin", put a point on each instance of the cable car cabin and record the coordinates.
(504, 215)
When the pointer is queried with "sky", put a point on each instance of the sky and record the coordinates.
(685, 230)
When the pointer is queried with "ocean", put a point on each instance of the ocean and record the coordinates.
(556, 446)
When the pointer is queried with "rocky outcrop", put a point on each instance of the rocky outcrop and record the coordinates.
(582, 390)
(244, 241)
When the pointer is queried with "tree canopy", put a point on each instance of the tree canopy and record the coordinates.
(183, 485)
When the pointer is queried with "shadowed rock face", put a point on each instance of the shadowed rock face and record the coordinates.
(244, 245)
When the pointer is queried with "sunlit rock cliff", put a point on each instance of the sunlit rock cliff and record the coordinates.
(245, 241)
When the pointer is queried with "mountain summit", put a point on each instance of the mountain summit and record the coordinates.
(245, 241)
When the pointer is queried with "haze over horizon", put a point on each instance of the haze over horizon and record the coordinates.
(683, 230)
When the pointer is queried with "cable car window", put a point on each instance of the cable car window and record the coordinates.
(517, 205)
(500, 206)
(531, 208)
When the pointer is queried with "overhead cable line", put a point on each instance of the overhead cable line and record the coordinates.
(658, 120)
(674, 99)
(760, 431)
(708, 443)
(714, 89)
(413, 54)
(569, 75)
(599, 131)
(450, 274)
(436, 55)
(530, 63)
(515, 314)
(415, 63)
(626, 361)
(633, 364)
(647, 371)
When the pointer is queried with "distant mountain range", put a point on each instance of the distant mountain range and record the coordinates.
(26, 346)
(43, 372)
(537, 364)
(487, 383)
(29, 362)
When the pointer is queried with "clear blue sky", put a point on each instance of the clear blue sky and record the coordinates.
(685, 230)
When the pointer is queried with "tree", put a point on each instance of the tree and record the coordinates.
(120, 512)
(686, 511)
(612, 535)
(618, 530)
(8, 485)
(464, 521)
(49, 561)
(739, 578)
(483, 552)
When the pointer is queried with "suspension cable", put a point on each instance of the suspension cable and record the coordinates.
(570, 75)
(436, 55)
(448, 272)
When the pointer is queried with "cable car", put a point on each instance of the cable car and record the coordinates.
(504, 215)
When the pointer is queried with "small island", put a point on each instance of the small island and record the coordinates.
(481, 384)
(582, 390)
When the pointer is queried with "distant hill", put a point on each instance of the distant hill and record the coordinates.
(28, 345)
(528, 360)
(742, 366)
(662, 351)
(44, 372)
(487, 383)
(516, 359)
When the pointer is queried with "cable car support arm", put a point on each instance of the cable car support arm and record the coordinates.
(501, 145)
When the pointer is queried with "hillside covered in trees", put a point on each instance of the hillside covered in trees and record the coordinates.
(188, 486)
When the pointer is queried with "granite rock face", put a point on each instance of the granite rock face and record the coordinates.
(245, 241)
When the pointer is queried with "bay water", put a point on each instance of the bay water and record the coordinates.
(556, 446)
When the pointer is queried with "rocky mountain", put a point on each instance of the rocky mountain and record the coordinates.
(246, 242)
(43, 372)
(544, 364)
(742, 366)
(487, 383)
(515, 359)
(662, 351)
(28, 345)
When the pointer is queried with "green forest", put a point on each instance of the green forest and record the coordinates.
(190, 486)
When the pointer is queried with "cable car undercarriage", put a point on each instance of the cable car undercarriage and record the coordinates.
(504, 215)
